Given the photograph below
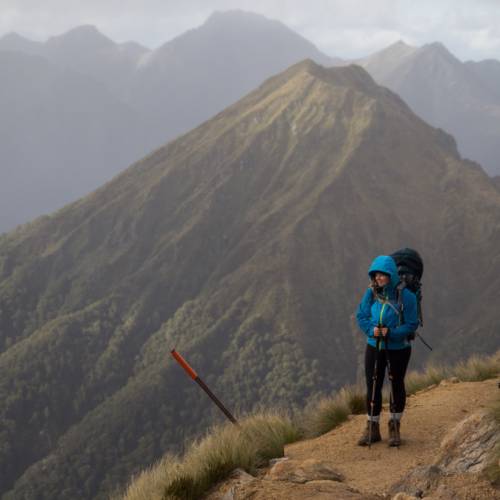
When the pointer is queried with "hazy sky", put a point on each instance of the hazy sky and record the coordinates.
(345, 28)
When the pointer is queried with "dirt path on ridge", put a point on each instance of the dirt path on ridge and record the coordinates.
(428, 416)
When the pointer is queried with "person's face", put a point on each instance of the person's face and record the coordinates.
(382, 279)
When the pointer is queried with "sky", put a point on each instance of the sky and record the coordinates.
(343, 28)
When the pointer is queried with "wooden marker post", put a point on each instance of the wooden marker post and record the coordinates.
(202, 384)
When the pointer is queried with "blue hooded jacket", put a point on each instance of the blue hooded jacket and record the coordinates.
(373, 312)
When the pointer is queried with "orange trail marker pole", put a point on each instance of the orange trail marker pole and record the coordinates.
(202, 384)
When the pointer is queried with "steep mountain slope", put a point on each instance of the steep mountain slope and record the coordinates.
(86, 50)
(244, 244)
(489, 73)
(142, 99)
(446, 93)
(230, 54)
(61, 135)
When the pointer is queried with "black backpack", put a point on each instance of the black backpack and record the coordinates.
(410, 271)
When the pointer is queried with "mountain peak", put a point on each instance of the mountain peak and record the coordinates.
(15, 41)
(234, 15)
(397, 50)
(438, 49)
(85, 37)
(351, 75)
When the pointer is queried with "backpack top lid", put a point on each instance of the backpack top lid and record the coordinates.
(409, 262)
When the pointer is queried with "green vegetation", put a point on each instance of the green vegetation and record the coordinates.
(263, 436)
(225, 448)
(243, 244)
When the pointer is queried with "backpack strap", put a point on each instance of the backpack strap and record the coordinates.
(398, 310)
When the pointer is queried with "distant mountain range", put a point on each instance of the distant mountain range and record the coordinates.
(461, 98)
(79, 108)
(58, 146)
(245, 244)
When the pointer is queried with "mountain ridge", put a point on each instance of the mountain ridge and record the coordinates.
(447, 93)
(244, 243)
(161, 87)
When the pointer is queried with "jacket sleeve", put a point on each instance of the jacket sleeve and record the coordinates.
(364, 314)
(410, 317)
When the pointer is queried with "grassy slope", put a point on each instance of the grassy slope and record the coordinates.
(226, 448)
(244, 244)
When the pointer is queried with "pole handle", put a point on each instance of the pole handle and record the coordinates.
(184, 364)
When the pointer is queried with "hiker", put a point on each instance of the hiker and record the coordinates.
(387, 316)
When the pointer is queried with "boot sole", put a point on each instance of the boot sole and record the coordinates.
(366, 443)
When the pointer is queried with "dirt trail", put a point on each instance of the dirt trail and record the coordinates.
(428, 416)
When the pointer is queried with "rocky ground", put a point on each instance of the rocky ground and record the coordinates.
(447, 436)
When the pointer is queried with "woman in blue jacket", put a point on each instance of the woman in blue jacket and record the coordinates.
(387, 316)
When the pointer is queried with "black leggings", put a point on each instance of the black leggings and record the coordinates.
(398, 360)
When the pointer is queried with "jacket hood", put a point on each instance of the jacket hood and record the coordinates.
(385, 264)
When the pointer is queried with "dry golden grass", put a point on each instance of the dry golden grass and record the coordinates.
(478, 368)
(211, 459)
(263, 436)
(329, 412)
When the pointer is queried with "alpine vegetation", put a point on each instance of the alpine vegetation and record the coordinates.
(244, 244)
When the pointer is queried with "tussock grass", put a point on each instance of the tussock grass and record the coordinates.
(416, 381)
(330, 412)
(211, 459)
(263, 436)
(478, 368)
(151, 483)
(475, 369)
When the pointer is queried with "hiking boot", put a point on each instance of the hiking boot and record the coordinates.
(394, 436)
(364, 440)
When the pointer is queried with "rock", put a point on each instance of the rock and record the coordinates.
(241, 476)
(296, 471)
(229, 495)
(466, 447)
(417, 482)
(274, 461)
(403, 496)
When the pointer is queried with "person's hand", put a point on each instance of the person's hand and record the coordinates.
(380, 331)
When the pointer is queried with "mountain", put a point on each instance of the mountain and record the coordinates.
(88, 51)
(61, 135)
(16, 42)
(447, 93)
(244, 244)
(142, 99)
(229, 55)
(489, 73)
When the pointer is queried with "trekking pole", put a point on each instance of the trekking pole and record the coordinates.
(391, 388)
(374, 383)
(202, 384)
(422, 339)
